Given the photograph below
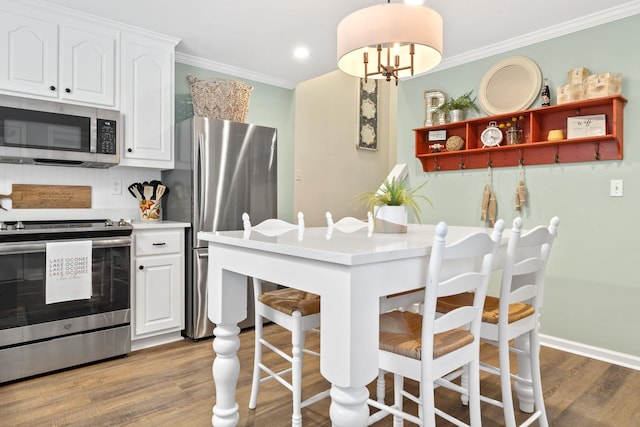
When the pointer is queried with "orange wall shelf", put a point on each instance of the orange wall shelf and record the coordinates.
(534, 149)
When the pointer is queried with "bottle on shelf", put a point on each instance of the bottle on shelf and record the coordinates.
(545, 95)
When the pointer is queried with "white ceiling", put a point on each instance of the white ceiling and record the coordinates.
(255, 39)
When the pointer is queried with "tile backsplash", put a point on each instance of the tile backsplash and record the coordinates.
(104, 204)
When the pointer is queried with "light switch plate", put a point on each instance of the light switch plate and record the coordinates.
(116, 187)
(616, 188)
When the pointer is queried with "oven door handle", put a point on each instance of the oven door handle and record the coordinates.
(41, 246)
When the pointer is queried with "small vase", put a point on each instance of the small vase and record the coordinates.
(514, 136)
(390, 219)
(456, 115)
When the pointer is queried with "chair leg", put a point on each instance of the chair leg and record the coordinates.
(473, 388)
(297, 341)
(537, 379)
(380, 389)
(398, 387)
(505, 383)
(257, 360)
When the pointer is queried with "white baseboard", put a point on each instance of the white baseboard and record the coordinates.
(610, 356)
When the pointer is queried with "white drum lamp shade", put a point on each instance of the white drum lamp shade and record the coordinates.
(390, 25)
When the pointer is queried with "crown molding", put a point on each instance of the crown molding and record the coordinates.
(613, 14)
(207, 64)
(568, 27)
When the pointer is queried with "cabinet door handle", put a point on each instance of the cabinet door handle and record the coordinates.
(129, 150)
(159, 244)
(52, 88)
(141, 267)
(67, 90)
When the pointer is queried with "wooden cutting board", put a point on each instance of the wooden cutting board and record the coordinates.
(34, 196)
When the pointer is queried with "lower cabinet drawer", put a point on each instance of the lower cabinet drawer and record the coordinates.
(162, 242)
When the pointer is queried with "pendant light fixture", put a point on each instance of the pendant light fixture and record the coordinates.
(390, 41)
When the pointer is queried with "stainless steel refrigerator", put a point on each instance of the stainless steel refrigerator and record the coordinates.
(222, 169)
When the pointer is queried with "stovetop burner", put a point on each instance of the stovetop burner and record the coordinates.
(40, 230)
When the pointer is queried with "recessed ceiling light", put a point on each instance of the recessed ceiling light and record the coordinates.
(301, 53)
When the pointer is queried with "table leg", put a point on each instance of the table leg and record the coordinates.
(349, 406)
(226, 368)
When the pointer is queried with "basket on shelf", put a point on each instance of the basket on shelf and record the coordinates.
(219, 98)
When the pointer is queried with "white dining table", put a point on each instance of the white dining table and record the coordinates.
(349, 270)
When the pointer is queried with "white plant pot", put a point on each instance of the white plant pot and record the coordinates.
(390, 219)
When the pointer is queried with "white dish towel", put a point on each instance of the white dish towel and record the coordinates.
(68, 271)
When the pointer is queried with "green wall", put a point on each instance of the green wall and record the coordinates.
(268, 106)
(592, 293)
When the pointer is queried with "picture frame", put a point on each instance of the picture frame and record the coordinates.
(368, 115)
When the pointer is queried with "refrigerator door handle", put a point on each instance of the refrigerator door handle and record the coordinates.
(198, 185)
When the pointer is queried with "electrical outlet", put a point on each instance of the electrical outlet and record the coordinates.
(116, 187)
(616, 188)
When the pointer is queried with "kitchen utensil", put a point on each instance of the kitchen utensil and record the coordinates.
(140, 188)
(133, 189)
(148, 192)
(155, 183)
(160, 190)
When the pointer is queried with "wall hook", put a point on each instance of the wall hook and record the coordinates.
(437, 165)
(596, 150)
(521, 161)
(462, 165)
(556, 158)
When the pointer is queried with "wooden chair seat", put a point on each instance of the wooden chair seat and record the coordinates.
(288, 300)
(401, 333)
(491, 311)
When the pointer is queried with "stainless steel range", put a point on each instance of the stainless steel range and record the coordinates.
(64, 294)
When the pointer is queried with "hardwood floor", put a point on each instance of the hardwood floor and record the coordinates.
(171, 385)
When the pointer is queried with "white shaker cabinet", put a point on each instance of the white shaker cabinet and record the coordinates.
(157, 291)
(147, 101)
(74, 61)
(88, 66)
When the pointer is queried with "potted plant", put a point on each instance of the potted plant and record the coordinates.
(457, 107)
(390, 202)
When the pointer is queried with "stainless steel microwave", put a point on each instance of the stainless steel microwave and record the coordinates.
(52, 133)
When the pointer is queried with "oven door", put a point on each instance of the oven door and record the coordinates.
(24, 314)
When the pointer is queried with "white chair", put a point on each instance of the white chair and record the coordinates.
(348, 224)
(294, 310)
(427, 347)
(521, 291)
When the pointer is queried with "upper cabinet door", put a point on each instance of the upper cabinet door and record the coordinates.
(87, 67)
(52, 59)
(28, 55)
(147, 103)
